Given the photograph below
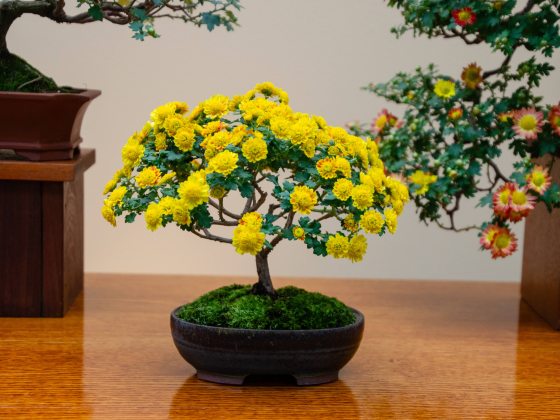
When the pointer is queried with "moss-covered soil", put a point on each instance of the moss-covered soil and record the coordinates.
(16, 75)
(295, 309)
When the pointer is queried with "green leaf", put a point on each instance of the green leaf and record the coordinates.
(95, 12)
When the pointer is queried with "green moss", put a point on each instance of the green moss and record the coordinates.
(295, 309)
(17, 75)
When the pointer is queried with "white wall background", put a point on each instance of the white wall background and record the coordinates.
(321, 52)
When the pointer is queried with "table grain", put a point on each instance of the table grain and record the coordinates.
(431, 349)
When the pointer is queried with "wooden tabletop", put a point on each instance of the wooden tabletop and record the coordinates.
(445, 350)
(12, 168)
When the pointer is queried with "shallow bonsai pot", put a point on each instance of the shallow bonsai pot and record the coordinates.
(229, 355)
(43, 126)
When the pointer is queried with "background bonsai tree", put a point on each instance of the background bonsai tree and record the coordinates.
(17, 75)
(299, 179)
(455, 128)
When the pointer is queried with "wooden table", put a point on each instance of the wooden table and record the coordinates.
(430, 350)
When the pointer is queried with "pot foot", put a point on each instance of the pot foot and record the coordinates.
(316, 379)
(221, 378)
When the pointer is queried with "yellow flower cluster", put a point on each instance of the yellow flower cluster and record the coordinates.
(303, 199)
(180, 162)
(247, 236)
(195, 190)
(422, 180)
(339, 246)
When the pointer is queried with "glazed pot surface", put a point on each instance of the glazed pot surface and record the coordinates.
(43, 126)
(229, 355)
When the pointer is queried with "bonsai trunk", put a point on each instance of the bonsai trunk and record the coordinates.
(7, 17)
(264, 285)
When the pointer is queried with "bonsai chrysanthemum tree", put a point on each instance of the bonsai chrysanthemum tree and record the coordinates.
(295, 174)
(455, 128)
(139, 16)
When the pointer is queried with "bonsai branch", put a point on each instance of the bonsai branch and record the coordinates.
(207, 235)
(499, 174)
(276, 240)
(222, 210)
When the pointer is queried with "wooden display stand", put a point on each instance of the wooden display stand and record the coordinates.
(540, 278)
(42, 235)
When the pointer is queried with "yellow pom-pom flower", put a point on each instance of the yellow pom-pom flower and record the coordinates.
(247, 240)
(343, 166)
(337, 246)
(181, 214)
(327, 168)
(390, 220)
(303, 199)
(173, 123)
(216, 106)
(160, 142)
(349, 223)
(153, 216)
(252, 220)
(372, 222)
(184, 138)
(116, 196)
(357, 248)
(223, 163)
(362, 197)
(298, 233)
(108, 214)
(343, 189)
(132, 152)
(148, 177)
(195, 190)
(255, 149)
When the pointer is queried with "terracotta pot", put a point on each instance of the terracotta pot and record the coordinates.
(540, 278)
(229, 355)
(43, 126)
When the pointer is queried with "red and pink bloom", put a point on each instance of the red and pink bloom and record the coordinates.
(527, 123)
(512, 203)
(499, 240)
(464, 17)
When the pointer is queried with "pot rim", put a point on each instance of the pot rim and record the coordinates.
(88, 93)
(358, 321)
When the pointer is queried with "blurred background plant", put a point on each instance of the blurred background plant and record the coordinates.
(454, 128)
(17, 75)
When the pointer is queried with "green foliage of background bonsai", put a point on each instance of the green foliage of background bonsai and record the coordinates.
(455, 127)
(17, 75)
(236, 306)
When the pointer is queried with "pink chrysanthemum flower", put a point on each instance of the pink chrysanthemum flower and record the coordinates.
(488, 235)
(538, 179)
(464, 16)
(512, 203)
(504, 243)
(384, 119)
(527, 123)
(554, 118)
(502, 200)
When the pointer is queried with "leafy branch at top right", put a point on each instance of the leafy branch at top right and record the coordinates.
(454, 128)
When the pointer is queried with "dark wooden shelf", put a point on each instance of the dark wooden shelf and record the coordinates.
(431, 349)
(42, 235)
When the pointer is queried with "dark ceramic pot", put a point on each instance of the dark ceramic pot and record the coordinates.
(229, 355)
(43, 126)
